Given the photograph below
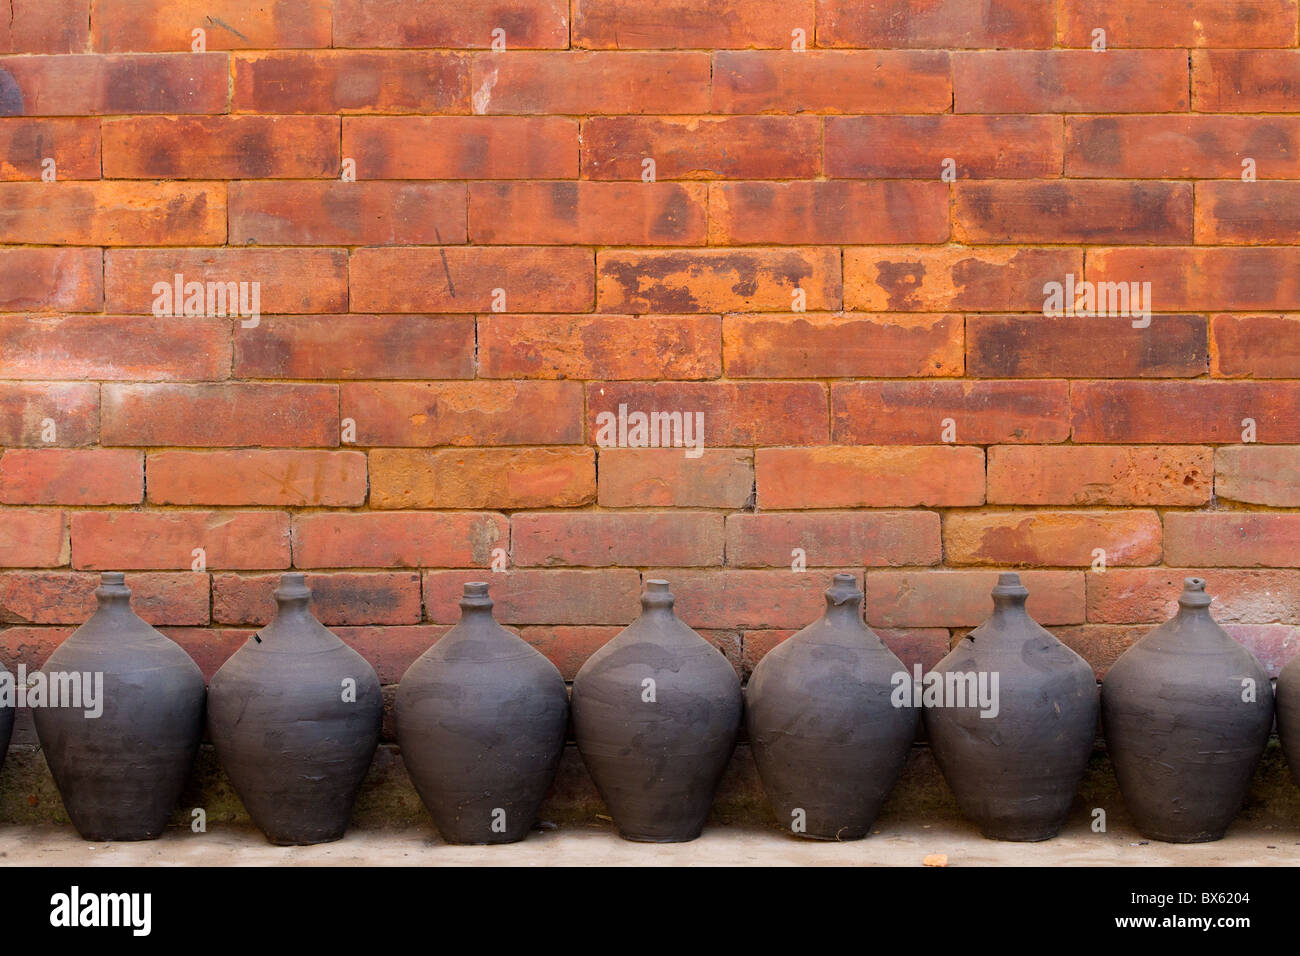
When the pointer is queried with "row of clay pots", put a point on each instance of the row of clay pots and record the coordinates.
(481, 717)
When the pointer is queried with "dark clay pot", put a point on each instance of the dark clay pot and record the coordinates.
(294, 715)
(1183, 741)
(481, 719)
(1015, 773)
(7, 710)
(828, 741)
(121, 773)
(1288, 715)
(656, 751)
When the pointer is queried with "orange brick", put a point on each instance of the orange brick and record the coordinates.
(350, 81)
(568, 646)
(38, 414)
(136, 26)
(1250, 214)
(1201, 279)
(340, 214)
(935, 23)
(1258, 474)
(528, 24)
(71, 476)
(981, 413)
(391, 597)
(828, 212)
(541, 595)
(221, 147)
(1245, 81)
(822, 345)
(832, 81)
(462, 147)
(257, 477)
(963, 598)
(26, 146)
(114, 347)
(1150, 595)
(166, 540)
(1100, 475)
(1189, 23)
(857, 477)
(409, 539)
(586, 213)
(595, 540)
(1090, 211)
(115, 84)
(1070, 81)
(33, 539)
(916, 147)
(576, 82)
(51, 280)
(1181, 147)
(1255, 346)
(1060, 538)
(699, 24)
(45, 26)
(1232, 539)
(68, 597)
(243, 413)
(1185, 412)
(833, 539)
(664, 478)
(698, 147)
(1035, 346)
(482, 478)
(746, 599)
(391, 649)
(113, 213)
(210, 648)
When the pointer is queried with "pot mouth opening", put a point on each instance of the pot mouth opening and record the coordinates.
(1194, 595)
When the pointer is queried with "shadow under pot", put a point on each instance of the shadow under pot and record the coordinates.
(481, 720)
(827, 734)
(294, 715)
(120, 754)
(1187, 713)
(1011, 714)
(655, 713)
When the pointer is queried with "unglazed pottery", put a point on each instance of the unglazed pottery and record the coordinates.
(294, 715)
(481, 720)
(121, 773)
(1288, 715)
(1013, 751)
(1186, 712)
(828, 739)
(655, 713)
(7, 710)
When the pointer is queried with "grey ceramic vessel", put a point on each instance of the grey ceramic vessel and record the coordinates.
(1288, 715)
(7, 712)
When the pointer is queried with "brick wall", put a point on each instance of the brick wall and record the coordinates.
(421, 392)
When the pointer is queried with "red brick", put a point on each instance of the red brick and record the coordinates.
(339, 213)
(1091, 211)
(1258, 474)
(31, 646)
(568, 646)
(1249, 214)
(528, 24)
(1245, 81)
(210, 648)
(165, 540)
(832, 81)
(221, 147)
(935, 23)
(952, 278)
(1255, 346)
(350, 81)
(541, 595)
(699, 24)
(828, 212)
(1181, 147)
(575, 82)
(913, 413)
(854, 477)
(593, 214)
(71, 476)
(45, 26)
(244, 413)
(1052, 537)
(114, 347)
(1187, 23)
(963, 598)
(68, 597)
(135, 26)
(1100, 475)
(595, 540)
(838, 345)
(916, 147)
(717, 280)
(1070, 81)
(462, 147)
(1036, 346)
(115, 84)
(59, 280)
(26, 144)
(608, 347)
(1184, 412)
(735, 413)
(348, 598)
(356, 346)
(391, 649)
(914, 645)
(408, 539)
(26, 408)
(113, 213)
(464, 413)
(1100, 644)
(746, 599)
(33, 539)
(1202, 279)
(453, 279)
(257, 477)
(1150, 595)
(1235, 539)
(701, 147)
(665, 478)
(833, 539)
(1274, 645)
(482, 478)
(291, 280)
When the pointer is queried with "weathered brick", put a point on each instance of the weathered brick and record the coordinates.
(940, 279)
(1150, 595)
(963, 598)
(30, 647)
(701, 24)
(576, 82)
(1251, 214)
(1060, 538)
(839, 345)
(1036, 346)
(831, 81)
(856, 477)
(1189, 23)
(409, 539)
(27, 145)
(33, 538)
(1232, 539)
(746, 599)
(912, 645)
(1100, 644)
(827, 212)
(717, 280)
(243, 413)
(568, 646)
(348, 598)
(541, 595)
(734, 413)
(137, 26)
(916, 147)
(1202, 279)
(665, 478)
(257, 477)
(1181, 147)
(1087, 211)
(1070, 81)
(482, 478)
(1256, 474)
(391, 649)
(1255, 346)
(596, 540)
(1245, 81)
(936, 23)
(528, 24)
(60, 414)
(210, 648)
(1100, 475)
(45, 26)
(586, 213)
(115, 84)
(221, 147)
(47, 279)
(982, 413)
(605, 347)
(462, 147)
(1274, 645)
(166, 540)
(71, 476)
(451, 279)
(1184, 412)
(113, 213)
(833, 539)
(339, 213)
(68, 597)
(350, 81)
(701, 147)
